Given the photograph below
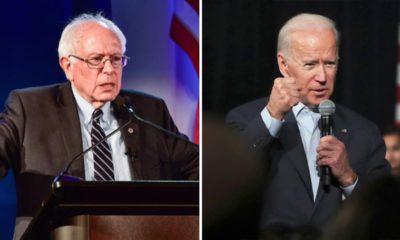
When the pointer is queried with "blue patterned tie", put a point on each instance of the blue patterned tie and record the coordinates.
(103, 164)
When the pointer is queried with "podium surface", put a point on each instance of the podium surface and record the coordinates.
(133, 198)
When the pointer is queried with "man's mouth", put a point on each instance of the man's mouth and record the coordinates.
(106, 86)
(321, 91)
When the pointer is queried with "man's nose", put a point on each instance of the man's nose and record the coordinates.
(107, 66)
(321, 74)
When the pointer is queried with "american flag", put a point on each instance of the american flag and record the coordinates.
(185, 33)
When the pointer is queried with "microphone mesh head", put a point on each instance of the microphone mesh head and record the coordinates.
(326, 107)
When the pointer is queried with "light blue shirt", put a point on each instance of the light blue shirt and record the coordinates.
(122, 169)
(274, 125)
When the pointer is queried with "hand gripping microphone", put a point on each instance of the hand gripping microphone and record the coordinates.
(327, 109)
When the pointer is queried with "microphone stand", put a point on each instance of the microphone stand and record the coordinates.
(126, 104)
(64, 174)
(133, 114)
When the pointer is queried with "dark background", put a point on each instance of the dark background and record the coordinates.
(239, 49)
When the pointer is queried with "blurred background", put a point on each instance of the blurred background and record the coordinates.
(239, 52)
(158, 65)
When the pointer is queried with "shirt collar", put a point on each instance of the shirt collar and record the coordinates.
(300, 107)
(86, 109)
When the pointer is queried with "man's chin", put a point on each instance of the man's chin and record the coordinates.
(106, 97)
(316, 101)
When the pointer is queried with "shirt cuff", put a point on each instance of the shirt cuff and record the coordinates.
(272, 124)
(349, 189)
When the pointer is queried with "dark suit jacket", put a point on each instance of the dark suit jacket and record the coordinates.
(288, 195)
(40, 133)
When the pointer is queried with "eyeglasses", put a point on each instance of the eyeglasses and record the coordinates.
(97, 61)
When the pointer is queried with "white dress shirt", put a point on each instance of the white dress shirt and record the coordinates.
(305, 124)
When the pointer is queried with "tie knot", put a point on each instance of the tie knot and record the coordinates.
(97, 114)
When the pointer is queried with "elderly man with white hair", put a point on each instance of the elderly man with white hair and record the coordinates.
(43, 128)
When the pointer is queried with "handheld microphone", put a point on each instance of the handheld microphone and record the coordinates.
(64, 175)
(127, 104)
(327, 109)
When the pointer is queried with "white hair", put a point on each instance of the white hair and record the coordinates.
(304, 22)
(68, 40)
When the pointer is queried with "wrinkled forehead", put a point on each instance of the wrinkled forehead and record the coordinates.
(96, 35)
(311, 37)
(318, 42)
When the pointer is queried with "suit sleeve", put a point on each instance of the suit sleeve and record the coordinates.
(252, 129)
(184, 157)
(376, 165)
(11, 125)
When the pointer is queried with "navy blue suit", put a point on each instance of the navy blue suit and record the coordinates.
(288, 193)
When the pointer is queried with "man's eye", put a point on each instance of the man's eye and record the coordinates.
(332, 64)
(309, 65)
(96, 58)
(116, 58)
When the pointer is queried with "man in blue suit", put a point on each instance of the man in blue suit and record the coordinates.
(284, 130)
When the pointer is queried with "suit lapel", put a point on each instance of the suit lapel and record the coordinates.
(291, 140)
(70, 128)
(130, 134)
(293, 146)
(72, 137)
(340, 130)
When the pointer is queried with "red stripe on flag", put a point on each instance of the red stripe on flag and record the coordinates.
(398, 94)
(194, 4)
(186, 41)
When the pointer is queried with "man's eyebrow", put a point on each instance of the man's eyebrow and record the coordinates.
(310, 61)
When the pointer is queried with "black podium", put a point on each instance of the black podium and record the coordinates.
(135, 198)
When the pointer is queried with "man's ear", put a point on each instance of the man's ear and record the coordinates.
(67, 66)
(282, 63)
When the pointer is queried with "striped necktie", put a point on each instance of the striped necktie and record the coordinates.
(103, 165)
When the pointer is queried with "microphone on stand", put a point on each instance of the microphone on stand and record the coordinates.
(327, 110)
(64, 175)
(127, 104)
